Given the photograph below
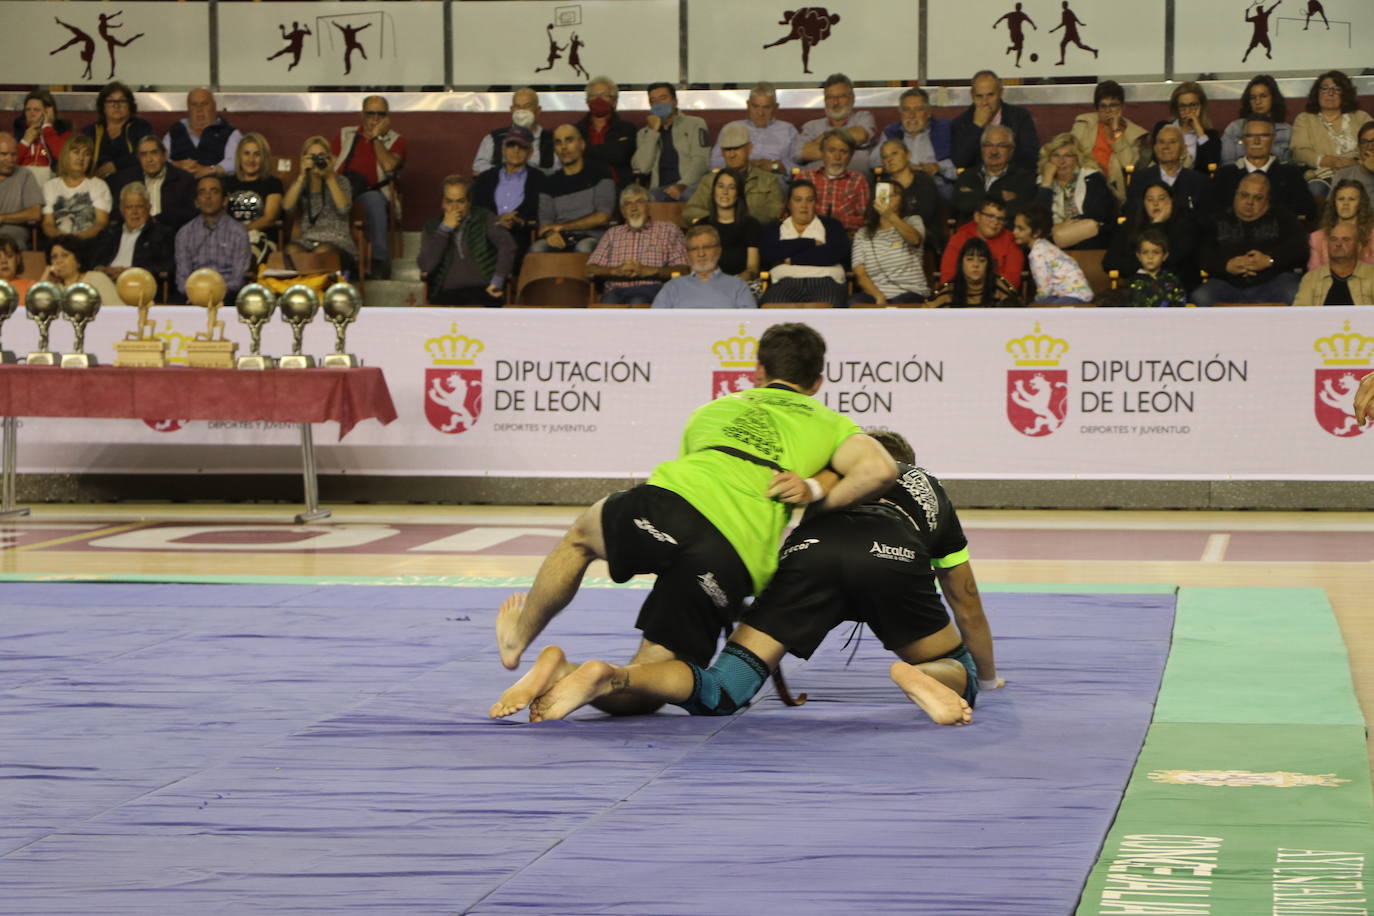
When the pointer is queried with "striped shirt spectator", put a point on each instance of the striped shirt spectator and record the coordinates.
(892, 265)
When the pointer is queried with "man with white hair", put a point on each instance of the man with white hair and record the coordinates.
(770, 140)
(137, 240)
(202, 143)
(762, 188)
(706, 286)
(838, 90)
(997, 176)
(638, 256)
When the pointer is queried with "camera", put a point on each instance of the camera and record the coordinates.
(320, 161)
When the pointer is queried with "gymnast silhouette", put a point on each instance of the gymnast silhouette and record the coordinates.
(351, 44)
(295, 40)
(107, 26)
(1016, 21)
(1261, 33)
(87, 46)
(554, 49)
(810, 25)
(1070, 23)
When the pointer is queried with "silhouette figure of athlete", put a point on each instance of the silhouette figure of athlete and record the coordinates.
(554, 48)
(294, 39)
(810, 25)
(1260, 18)
(1070, 23)
(108, 25)
(575, 58)
(351, 44)
(1016, 21)
(87, 46)
(1314, 7)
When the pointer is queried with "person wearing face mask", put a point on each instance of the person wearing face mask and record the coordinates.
(610, 140)
(927, 140)
(838, 91)
(672, 148)
(524, 113)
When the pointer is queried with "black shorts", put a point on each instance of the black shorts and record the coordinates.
(864, 563)
(702, 582)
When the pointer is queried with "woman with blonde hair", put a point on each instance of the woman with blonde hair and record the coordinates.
(1109, 137)
(1348, 205)
(1075, 193)
(74, 202)
(255, 194)
(321, 201)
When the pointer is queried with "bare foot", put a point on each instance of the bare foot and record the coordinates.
(590, 681)
(537, 680)
(508, 640)
(943, 705)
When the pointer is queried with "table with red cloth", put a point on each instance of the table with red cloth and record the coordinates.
(301, 396)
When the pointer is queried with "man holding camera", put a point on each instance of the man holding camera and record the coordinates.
(372, 154)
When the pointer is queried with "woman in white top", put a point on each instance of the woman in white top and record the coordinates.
(1058, 278)
(74, 203)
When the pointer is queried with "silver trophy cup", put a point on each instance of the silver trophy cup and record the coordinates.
(9, 301)
(341, 306)
(255, 304)
(298, 306)
(43, 302)
(80, 303)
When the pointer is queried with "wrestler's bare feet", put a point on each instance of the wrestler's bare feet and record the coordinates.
(509, 642)
(537, 680)
(591, 680)
(943, 705)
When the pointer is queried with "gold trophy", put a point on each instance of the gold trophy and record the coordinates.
(255, 304)
(80, 303)
(9, 301)
(43, 302)
(205, 288)
(341, 305)
(298, 305)
(139, 347)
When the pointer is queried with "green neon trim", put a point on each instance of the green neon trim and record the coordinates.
(952, 560)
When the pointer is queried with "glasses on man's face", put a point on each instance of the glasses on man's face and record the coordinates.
(992, 217)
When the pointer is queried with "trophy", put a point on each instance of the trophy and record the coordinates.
(255, 304)
(205, 288)
(43, 302)
(341, 305)
(298, 305)
(80, 302)
(9, 301)
(139, 347)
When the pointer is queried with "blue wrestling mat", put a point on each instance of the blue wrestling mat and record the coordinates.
(208, 749)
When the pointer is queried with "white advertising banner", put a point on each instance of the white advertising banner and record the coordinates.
(749, 40)
(1045, 38)
(1252, 36)
(1197, 394)
(162, 44)
(548, 42)
(331, 44)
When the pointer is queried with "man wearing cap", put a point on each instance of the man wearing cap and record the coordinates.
(762, 192)
(524, 114)
(511, 190)
(771, 139)
(672, 148)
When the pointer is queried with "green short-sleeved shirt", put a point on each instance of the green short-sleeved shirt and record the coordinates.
(786, 427)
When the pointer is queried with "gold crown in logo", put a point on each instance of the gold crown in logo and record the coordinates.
(176, 344)
(1347, 348)
(739, 352)
(1036, 349)
(454, 349)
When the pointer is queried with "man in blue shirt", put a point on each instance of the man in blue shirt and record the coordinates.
(706, 287)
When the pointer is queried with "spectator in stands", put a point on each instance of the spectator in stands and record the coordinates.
(1288, 188)
(671, 148)
(116, 131)
(917, 189)
(637, 257)
(524, 113)
(887, 257)
(41, 134)
(1108, 137)
(762, 191)
(320, 199)
(1253, 250)
(69, 262)
(771, 141)
(1075, 193)
(841, 192)
(1345, 279)
(1154, 285)
(171, 190)
(1058, 278)
(466, 254)
(990, 224)
(610, 140)
(1188, 104)
(214, 239)
(512, 189)
(806, 253)
(736, 229)
(137, 240)
(1362, 171)
(21, 199)
(12, 265)
(1261, 97)
(375, 153)
(1325, 135)
(988, 109)
(202, 143)
(927, 140)
(1156, 210)
(576, 202)
(255, 194)
(1348, 205)
(974, 284)
(1188, 187)
(74, 202)
(999, 176)
(706, 285)
(838, 90)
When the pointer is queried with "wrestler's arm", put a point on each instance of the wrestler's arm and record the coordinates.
(865, 469)
(961, 592)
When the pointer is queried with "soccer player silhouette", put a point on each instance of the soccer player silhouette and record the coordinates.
(1070, 23)
(1015, 22)
(351, 44)
(87, 45)
(1261, 35)
(295, 40)
(108, 25)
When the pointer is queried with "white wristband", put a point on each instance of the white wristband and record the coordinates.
(814, 486)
